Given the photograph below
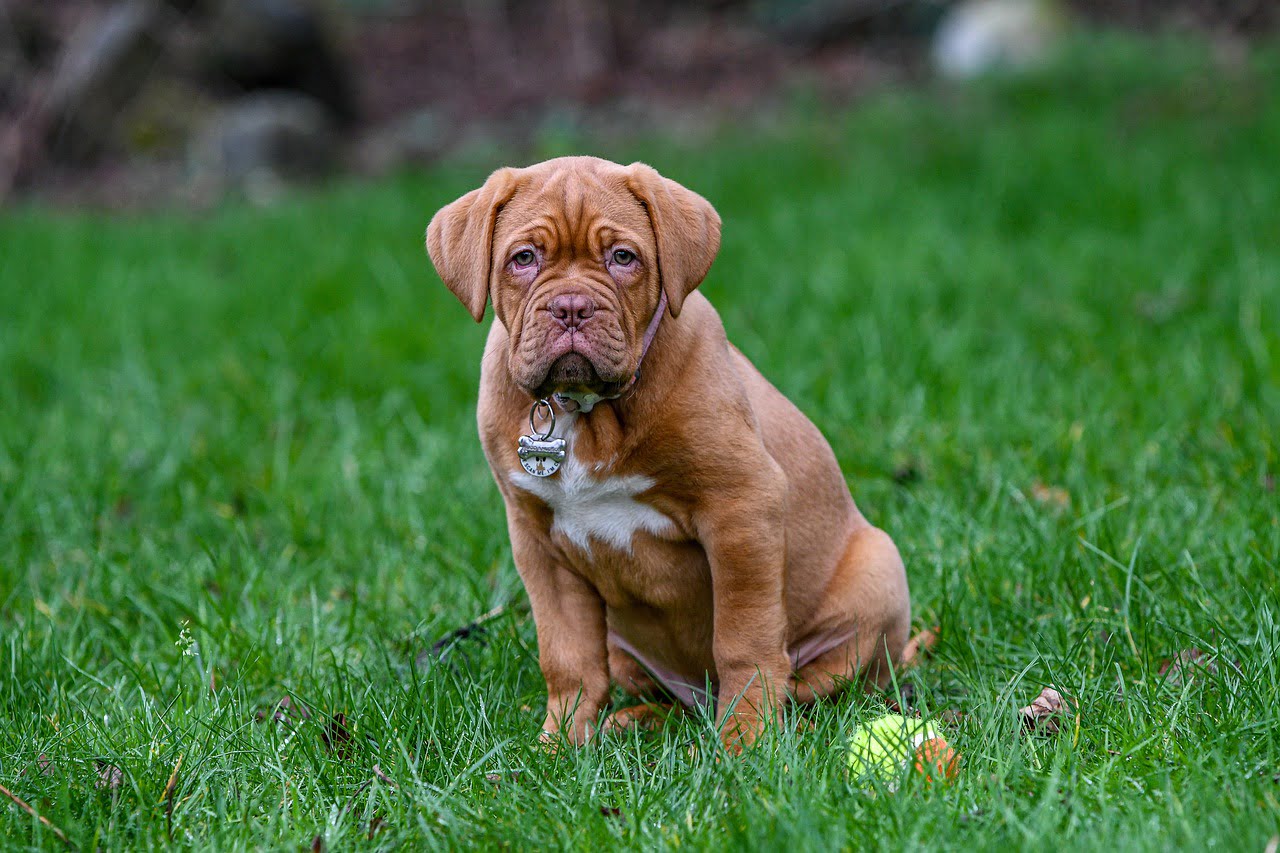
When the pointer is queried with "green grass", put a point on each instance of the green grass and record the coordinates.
(238, 461)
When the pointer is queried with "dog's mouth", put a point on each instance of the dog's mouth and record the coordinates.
(571, 373)
(574, 374)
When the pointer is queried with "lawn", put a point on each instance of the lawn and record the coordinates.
(1039, 321)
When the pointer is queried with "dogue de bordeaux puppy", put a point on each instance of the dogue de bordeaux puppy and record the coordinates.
(679, 525)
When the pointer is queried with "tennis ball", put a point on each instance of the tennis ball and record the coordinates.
(888, 745)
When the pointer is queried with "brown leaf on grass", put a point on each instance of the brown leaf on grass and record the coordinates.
(167, 799)
(1186, 664)
(376, 825)
(611, 811)
(1045, 712)
(1055, 497)
(317, 844)
(383, 777)
(919, 647)
(172, 784)
(337, 737)
(504, 776)
(110, 777)
(284, 711)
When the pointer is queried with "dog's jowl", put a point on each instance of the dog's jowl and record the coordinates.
(681, 528)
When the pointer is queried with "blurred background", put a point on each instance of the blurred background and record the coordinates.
(139, 103)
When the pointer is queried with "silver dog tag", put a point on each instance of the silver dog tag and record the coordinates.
(540, 454)
(541, 457)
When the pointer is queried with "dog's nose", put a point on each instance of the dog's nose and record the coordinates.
(571, 310)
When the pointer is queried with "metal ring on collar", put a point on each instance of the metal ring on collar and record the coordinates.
(544, 403)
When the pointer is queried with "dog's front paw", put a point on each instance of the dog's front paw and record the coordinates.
(554, 735)
(740, 730)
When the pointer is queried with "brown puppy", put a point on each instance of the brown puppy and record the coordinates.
(699, 532)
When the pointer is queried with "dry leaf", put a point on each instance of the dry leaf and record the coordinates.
(317, 844)
(611, 811)
(171, 785)
(167, 799)
(920, 646)
(1185, 665)
(1045, 712)
(1052, 496)
(376, 825)
(110, 777)
(499, 778)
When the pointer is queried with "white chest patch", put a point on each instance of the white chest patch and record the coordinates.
(586, 507)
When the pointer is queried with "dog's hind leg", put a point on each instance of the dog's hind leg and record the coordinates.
(869, 596)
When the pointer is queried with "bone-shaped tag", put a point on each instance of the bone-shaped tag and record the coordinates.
(541, 457)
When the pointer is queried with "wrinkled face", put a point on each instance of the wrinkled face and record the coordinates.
(575, 282)
(575, 254)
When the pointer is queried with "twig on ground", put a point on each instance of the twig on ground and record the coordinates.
(22, 804)
(472, 630)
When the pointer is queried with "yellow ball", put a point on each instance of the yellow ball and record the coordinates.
(887, 746)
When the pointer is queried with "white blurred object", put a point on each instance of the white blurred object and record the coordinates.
(978, 36)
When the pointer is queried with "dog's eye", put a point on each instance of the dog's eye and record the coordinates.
(523, 258)
(622, 257)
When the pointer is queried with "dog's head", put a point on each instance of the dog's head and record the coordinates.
(575, 254)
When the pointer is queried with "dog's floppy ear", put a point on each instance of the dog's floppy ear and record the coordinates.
(686, 227)
(460, 239)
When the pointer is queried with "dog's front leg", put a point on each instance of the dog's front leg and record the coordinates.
(745, 543)
(572, 649)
